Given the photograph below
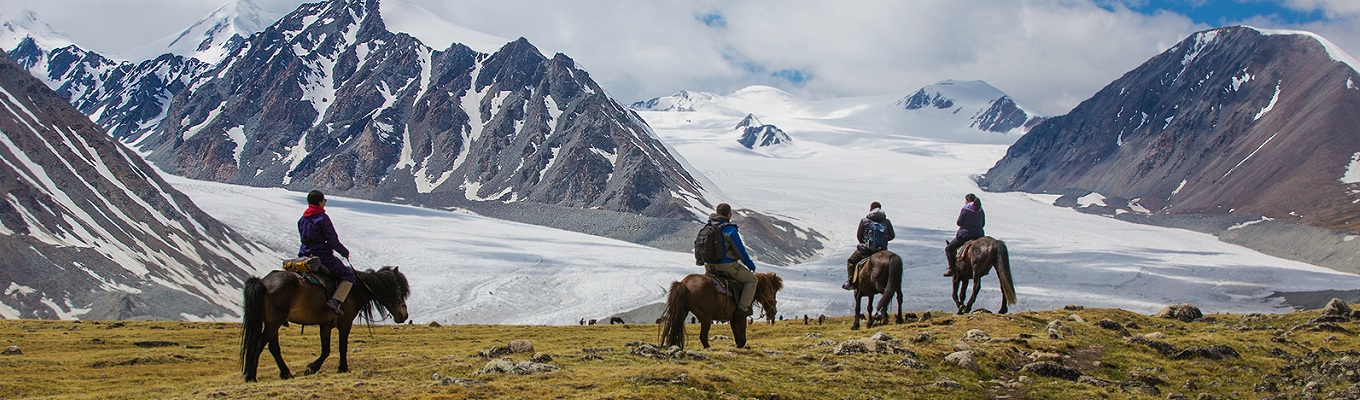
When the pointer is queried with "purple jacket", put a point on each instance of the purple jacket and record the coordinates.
(318, 236)
(971, 220)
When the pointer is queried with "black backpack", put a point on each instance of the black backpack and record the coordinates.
(710, 245)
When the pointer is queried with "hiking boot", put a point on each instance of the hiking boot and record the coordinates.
(847, 286)
(744, 313)
(949, 272)
(335, 306)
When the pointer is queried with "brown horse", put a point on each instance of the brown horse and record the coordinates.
(975, 259)
(696, 294)
(282, 297)
(881, 273)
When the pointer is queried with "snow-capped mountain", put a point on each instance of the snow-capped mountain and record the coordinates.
(1230, 119)
(126, 98)
(212, 37)
(89, 230)
(755, 134)
(974, 104)
(1234, 120)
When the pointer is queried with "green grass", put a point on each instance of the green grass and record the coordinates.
(789, 360)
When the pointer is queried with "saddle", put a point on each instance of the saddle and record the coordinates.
(724, 283)
(859, 267)
(312, 272)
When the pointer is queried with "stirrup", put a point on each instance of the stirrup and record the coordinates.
(335, 306)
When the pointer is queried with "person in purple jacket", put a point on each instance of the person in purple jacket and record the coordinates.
(319, 240)
(971, 220)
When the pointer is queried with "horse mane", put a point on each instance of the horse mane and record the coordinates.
(768, 283)
(385, 286)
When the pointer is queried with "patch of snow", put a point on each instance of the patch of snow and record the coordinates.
(15, 287)
(1248, 223)
(1352, 174)
(1092, 199)
(1253, 153)
(1179, 187)
(238, 136)
(1332, 49)
(1274, 98)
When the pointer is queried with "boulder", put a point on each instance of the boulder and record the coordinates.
(1184, 312)
(1051, 369)
(1337, 308)
(521, 346)
(976, 334)
(966, 359)
(12, 350)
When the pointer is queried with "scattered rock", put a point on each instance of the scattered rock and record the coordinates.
(541, 357)
(1317, 327)
(651, 351)
(911, 362)
(923, 337)
(719, 337)
(946, 383)
(1054, 334)
(155, 343)
(434, 324)
(593, 350)
(772, 352)
(1126, 386)
(1164, 348)
(1024, 379)
(1042, 356)
(591, 357)
(1076, 318)
(1337, 308)
(1313, 387)
(494, 352)
(1073, 307)
(521, 346)
(880, 336)
(1113, 326)
(966, 359)
(459, 381)
(813, 335)
(11, 351)
(1154, 336)
(1214, 352)
(1051, 369)
(504, 366)
(118, 324)
(1185, 312)
(850, 347)
(976, 334)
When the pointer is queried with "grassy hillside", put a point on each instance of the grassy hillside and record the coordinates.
(1096, 353)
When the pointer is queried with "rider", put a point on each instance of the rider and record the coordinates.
(862, 235)
(734, 257)
(971, 220)
(319, 240)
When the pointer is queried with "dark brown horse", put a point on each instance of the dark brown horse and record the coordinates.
(881, 274)
(282, 297)
(696, 294)
(975, 259)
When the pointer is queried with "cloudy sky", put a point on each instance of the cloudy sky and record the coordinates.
(1048, 54)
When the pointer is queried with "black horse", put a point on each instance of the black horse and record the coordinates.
(282, 297)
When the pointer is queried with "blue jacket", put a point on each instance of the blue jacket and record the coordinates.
(730, 231)
(971, 220)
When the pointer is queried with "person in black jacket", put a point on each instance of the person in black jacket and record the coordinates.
(970, 222)
(870, 242)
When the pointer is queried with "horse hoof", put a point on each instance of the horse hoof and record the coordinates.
(309, 371)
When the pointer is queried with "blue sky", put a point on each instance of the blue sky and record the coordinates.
(1048, 54)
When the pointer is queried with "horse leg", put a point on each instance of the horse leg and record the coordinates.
(855, 327)
(277, 352)
(739, 331)
(344, 348)
(703, 331)
(869, 318)
(1003, 309)
(960, 293)
(977, 285)
(315, 366)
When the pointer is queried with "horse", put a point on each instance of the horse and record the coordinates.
(697, 294)
(881, 273)
(974, 260)
(282, 297)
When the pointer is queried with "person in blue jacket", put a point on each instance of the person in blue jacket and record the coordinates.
(970, 222)
(734, 257)
(319, 240)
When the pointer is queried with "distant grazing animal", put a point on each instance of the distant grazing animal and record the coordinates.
(615, 320)
(976, 259)
(880, 273)
(696, 294)
(591, 322)
(805, 319)
(282, 297)
(821, 319)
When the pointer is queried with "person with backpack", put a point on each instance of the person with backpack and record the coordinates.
(319, 240)
(873, 235)
(970, 222)
(718, 247)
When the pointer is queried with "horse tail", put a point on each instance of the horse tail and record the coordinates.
(673, 333)
(895, 278)
(252, 321)
(1003, 272)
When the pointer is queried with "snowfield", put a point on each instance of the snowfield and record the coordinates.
(845, 154)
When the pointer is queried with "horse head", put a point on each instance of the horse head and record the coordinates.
(389, 289)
